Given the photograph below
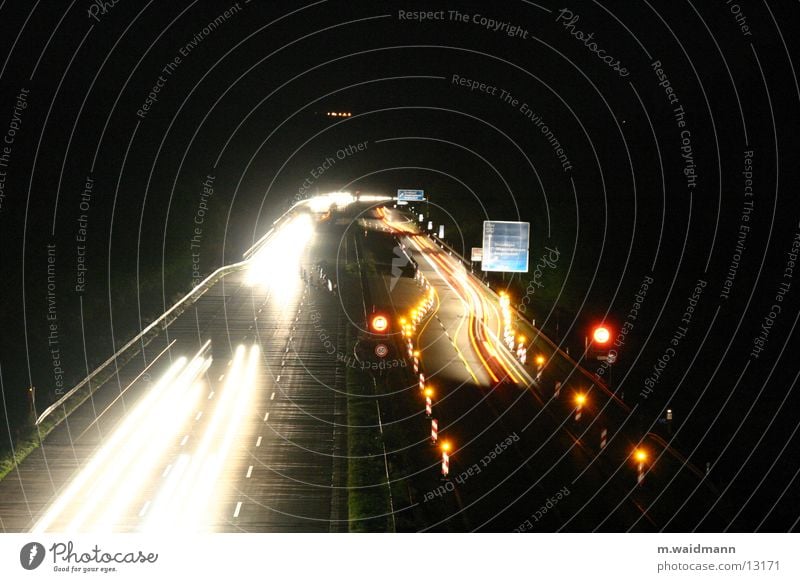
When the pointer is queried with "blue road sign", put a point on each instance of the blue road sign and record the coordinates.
(411, 195)
(505, 246)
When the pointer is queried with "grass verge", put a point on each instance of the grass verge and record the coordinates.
(368, 495)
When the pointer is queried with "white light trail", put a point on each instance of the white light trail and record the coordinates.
(182, 505)
(135, 461)
(276, 266)
(76, 486)
(324, 202)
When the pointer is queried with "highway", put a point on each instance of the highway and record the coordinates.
(240, 417)
(588, 455)
(229, 420)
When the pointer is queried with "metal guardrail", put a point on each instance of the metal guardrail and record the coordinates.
(188, 299)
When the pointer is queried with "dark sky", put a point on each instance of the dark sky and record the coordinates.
(658, 107)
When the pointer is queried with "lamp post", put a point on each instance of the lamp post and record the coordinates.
(32, 396)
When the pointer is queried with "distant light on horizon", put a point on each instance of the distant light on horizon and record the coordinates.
(373, 198)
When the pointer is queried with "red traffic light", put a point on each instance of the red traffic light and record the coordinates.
(379, 323)
(601, 335)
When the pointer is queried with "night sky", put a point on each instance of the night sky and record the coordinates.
(652, 146)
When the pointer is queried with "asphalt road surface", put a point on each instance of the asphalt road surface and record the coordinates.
(526, 456)
(247, 436)
(235, 417)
